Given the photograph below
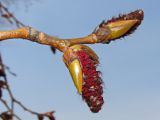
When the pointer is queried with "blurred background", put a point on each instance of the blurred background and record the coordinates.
(130, 66)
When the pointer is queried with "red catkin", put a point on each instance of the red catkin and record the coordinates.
(92, 88)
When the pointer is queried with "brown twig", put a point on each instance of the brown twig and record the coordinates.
(5, 13)
(9, 109)
(33, 35)
(15, 101)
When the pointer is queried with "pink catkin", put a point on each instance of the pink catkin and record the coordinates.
(92, 88)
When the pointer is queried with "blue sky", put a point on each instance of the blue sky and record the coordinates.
(130, 67)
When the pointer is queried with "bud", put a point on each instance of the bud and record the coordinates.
(82, 63)
(0, 92)
(50, 115)
(6, 116)
(2, 73)
(40, 117)
(118, 27)
(2, 85)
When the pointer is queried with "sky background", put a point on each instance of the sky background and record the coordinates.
(130, 67)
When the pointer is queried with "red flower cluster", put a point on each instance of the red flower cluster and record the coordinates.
(92, 88)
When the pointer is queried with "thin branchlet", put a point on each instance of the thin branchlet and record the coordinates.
(6, 14)
(14, 101)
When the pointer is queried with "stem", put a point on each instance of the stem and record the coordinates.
(13, 100)
(5, 104)
(33, 35)
(9, 109)
(25, 108)
(90, 39)
(10, 94)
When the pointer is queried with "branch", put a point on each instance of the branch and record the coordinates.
(107, 31)
(5, 13)
(10, 110)
(33, 35)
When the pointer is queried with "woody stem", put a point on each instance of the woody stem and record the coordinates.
(90, 39)
(33, 35)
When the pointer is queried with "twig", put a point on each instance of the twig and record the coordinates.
(15, 101)
(25, 108)
(8, 16)
(28, 33)
(5, 104)
(9, 109)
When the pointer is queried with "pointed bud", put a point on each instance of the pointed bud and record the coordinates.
(118, 27)
(76, 73)
(74, 67)
(82, 63)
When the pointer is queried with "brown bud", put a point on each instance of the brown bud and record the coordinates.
(0, 92)
(2, 84)
(2, 73)
(50, 115)
(40, 117)
(6, 116)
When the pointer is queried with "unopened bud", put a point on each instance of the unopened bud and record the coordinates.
(118, 27)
